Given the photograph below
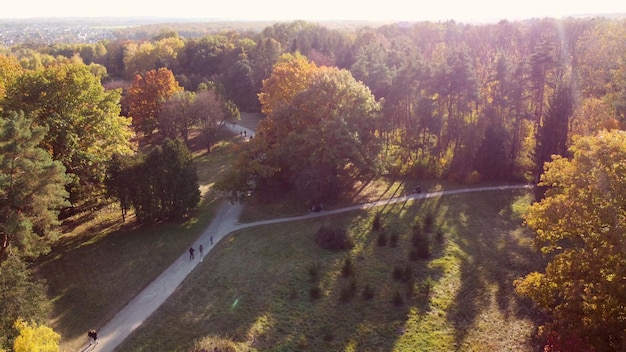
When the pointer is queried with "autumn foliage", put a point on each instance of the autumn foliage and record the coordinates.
(147, 97)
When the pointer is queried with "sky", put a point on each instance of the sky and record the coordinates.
(317, 10)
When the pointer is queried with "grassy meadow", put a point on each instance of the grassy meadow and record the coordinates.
(253, 292)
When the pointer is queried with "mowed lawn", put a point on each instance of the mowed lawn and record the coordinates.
(254, 287)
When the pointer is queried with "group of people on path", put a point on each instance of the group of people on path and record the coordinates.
(93, 337)
(192, 250)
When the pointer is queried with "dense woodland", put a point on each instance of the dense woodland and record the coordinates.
(455, 101)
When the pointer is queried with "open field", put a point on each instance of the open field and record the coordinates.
(254, 288)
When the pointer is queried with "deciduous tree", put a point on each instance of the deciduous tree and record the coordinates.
(35, 337)
(148, 95)
(82, 120)
(580, 225)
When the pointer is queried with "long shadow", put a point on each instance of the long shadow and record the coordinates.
(492, 258)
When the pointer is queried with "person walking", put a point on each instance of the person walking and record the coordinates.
(93, 337)
(201, 250)
(211, 240)
(191, 251)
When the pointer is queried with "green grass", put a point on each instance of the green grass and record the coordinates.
(100, 263)
(254, 287)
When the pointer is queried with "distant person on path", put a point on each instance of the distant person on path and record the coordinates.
(201, 250)
(211, 240)
(191, 251)
(93, 337)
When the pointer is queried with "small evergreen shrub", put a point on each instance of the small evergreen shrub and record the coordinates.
(427, 224)
(439, 236)
(381, 240)
(348, 293)
(314, 273)
(368, 292)
(315, 293)
(376, 224)
(334, 239)
(397, 299)
(393, 240)
(421, 244)
(347, 269)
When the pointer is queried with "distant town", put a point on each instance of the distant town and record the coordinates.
(46, 31)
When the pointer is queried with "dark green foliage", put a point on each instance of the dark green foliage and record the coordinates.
(393, 240)
(376, 224)
(427, 223)
(347, 269)
(397, 299)
(492, 161)
(314, 273)
(439, 236)
(32, 189)
(368, 292)
(348, 292)
(21, 296)
(334, 239)
(381, 240)
(403, 274)
(161, 186)
(421, 244)
(315, 292)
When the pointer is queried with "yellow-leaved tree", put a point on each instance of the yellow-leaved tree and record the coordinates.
(35, 338)
(580, 226)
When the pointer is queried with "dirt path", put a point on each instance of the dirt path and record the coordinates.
(226, 221)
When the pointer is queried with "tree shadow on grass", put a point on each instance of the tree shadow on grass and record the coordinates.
(492, 259)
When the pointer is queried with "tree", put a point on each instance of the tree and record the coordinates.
(32, 189)
(22, 297)
(147, 96)
(289, 76)
(178, 115)
(10, 69)
(163, 185)
(35, 338)
(211, 110)
(83, 122)
(318, 133)
(579, 225)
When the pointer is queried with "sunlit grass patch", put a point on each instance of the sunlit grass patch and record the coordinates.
(455, 300)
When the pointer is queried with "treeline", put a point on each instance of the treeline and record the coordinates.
(459, 100)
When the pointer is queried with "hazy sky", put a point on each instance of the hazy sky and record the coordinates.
(397, 10)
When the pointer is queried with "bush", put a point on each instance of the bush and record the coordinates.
(381, 240)
(315, 293)
(397, 299)
(334, 239)
(347, 269)
(314, 273)
(421, 242)
(347, 293)
(376, 224)
(393, 240)
(439, 236)
(427, 224)
(403, 274)
(368, 292)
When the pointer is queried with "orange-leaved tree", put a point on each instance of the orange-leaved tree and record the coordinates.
(147, 96)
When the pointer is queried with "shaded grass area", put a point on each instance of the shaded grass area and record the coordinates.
(254, 289)
(100, 263)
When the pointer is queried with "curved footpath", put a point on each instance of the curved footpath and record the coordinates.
(226, 221)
